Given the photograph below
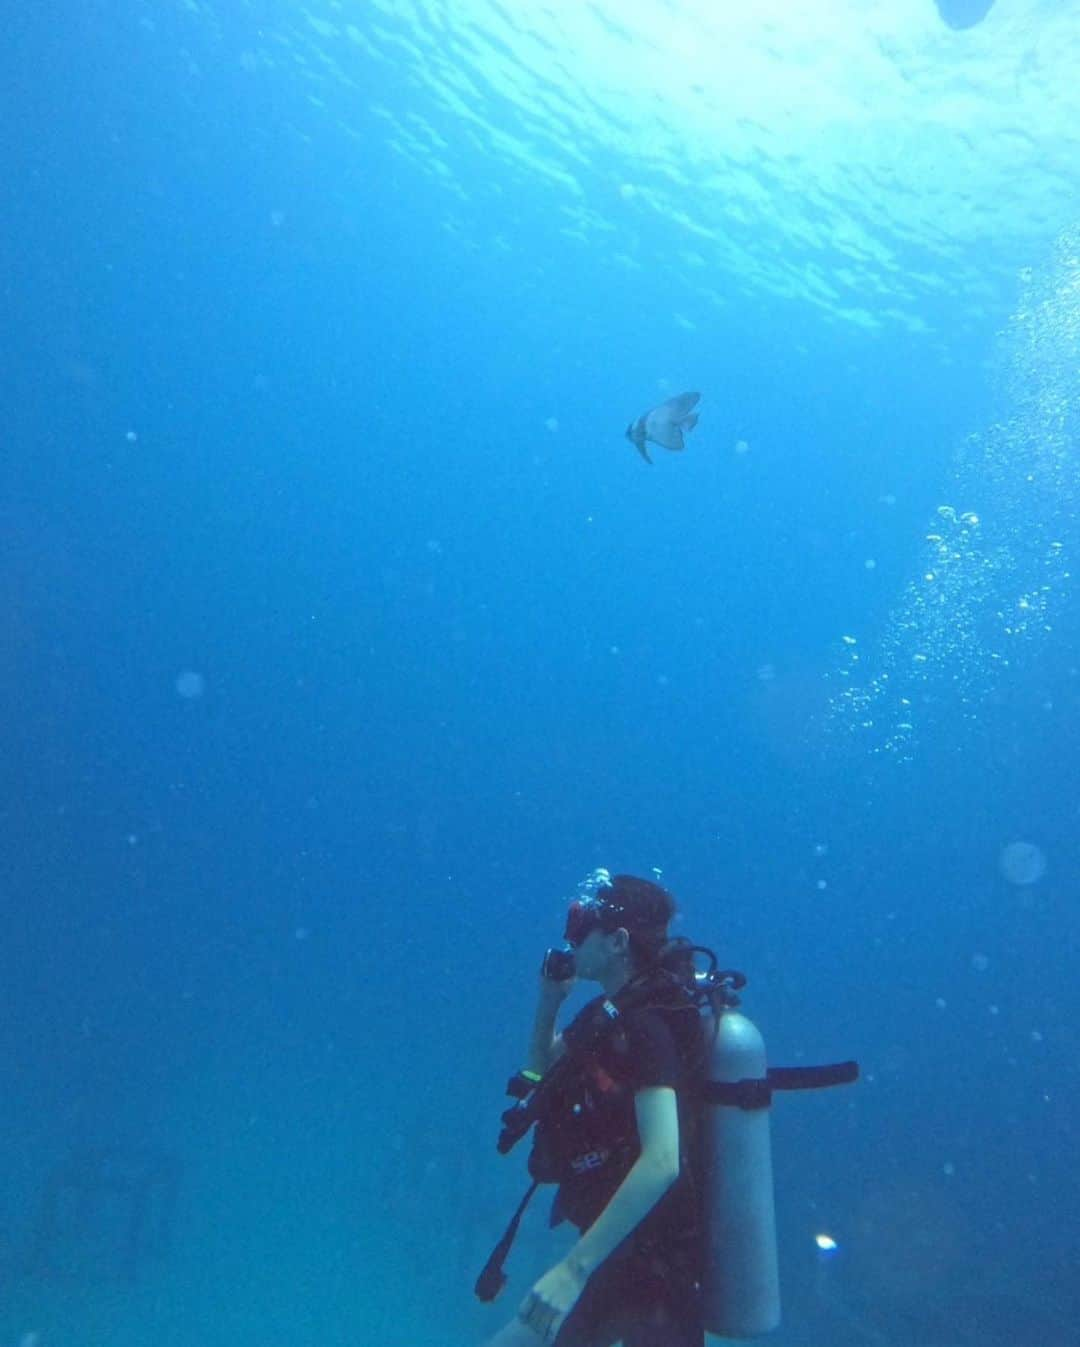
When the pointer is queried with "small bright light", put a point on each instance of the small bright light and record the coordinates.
(826, 1243)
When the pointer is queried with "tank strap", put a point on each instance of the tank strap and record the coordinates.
(757, 1091)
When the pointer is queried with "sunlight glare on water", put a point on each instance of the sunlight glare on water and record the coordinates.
(859, 157)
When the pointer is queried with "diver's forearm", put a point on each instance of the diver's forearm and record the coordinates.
(635, 1197)
(544, 1044)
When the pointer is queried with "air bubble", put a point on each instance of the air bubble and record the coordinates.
(989, 581)
(190, 684)
(1022, 863)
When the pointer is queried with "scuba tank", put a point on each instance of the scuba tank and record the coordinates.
(741, 1282)
(741, 1279)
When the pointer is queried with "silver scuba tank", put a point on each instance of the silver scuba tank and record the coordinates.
(741, 1284)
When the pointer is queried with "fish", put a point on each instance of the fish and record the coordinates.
(664, 425)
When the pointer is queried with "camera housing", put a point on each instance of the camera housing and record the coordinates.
(558, 965)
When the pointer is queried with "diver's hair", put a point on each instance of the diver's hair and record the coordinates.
(645, 909)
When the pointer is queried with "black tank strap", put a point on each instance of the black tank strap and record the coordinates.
(757, 1092)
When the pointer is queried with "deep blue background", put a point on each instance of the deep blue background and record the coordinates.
(314, 897)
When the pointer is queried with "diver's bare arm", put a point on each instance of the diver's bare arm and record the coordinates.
(653, 1173)
(545, 1045)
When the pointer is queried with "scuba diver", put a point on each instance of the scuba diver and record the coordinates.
(615, 1136)
(650, 1112)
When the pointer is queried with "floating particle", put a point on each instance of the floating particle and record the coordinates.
(190, 684)
(1022, 863)
(826, 1243)
(741, 447)
(552, 424)
(980, 963)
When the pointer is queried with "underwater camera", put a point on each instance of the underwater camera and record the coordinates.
(558, 965)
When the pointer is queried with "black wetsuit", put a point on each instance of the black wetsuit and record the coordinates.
(647, 1293)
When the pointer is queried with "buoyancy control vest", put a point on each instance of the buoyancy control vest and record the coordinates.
(587, 1125)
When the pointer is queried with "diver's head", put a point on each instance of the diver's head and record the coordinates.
(620, 930)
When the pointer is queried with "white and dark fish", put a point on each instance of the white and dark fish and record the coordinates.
(664, 425)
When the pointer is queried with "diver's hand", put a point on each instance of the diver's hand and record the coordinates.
(546, 1306)
(554, 991)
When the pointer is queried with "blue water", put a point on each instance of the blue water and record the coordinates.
(344, 632)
